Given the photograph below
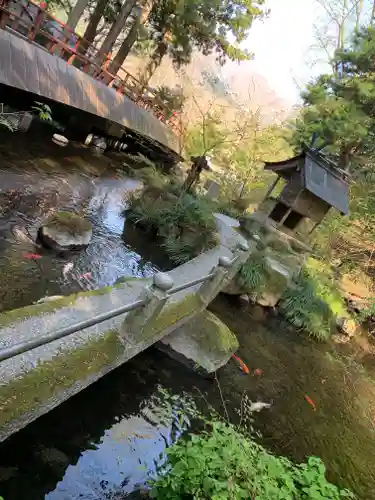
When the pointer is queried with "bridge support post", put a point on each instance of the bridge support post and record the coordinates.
(224, 272)
(137, 322)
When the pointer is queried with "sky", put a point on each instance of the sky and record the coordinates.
(281, 46)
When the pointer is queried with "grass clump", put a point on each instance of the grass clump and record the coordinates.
(313, 302)
(223, 463)
(254, 274)
(184, 223)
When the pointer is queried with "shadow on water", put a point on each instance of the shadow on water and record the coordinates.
(103, 442)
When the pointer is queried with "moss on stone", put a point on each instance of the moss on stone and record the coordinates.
(10, 317)
(174, 312)
(212, 334)
(127, 279)
(69, 222)
(38, 386)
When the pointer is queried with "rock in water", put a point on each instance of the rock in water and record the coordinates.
(65, 231)
(244, 300)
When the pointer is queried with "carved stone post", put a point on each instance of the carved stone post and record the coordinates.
(223, 273)
(138, 323)
(212, 287)
(241, 255)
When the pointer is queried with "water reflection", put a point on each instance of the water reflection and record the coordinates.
(120, 463)
(103, 443)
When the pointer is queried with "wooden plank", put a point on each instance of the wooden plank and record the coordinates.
(17, 61)
(31, 69)
(62, 91)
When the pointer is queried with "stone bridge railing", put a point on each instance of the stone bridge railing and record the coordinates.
(51, 351)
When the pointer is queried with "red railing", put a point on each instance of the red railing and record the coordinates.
(31, 21)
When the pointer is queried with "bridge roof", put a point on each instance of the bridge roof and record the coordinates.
(28, 67)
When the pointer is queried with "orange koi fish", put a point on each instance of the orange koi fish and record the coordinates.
(86, 275)
(243, 367)
(29, 255)
(310, 401)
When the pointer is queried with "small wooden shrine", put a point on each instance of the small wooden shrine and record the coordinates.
(312, 186)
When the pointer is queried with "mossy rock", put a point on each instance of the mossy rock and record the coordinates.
(65, 231)
(214, 335)
(204, 343)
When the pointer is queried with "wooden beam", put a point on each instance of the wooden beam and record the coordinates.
(290, 209)
(315, 226)
(272, 187)
(287, 213)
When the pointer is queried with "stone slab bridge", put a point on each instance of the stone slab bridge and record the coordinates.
(52, 350)
(42, 56)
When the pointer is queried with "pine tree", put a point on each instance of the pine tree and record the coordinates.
(117, 27)
(340, 108)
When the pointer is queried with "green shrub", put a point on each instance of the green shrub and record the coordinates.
(185, 224)
(313, 302)
(253, 275)
(223, 464)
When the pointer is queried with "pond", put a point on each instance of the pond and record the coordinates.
(103, 443)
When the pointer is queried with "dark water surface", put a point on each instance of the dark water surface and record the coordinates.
(103, 443)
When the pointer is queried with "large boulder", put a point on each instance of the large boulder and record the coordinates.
(279, 278)
(64, 231)
(205, 343)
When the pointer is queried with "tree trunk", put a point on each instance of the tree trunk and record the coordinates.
(76, 13)
(342, 27)
(373, 14)
(358, 13)
(132, 37)
(116, 28)
(92, 27)
(155, 61)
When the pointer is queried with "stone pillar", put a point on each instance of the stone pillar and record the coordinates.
(25, 122)
(139, 322)
(224, 273)
(241, 255)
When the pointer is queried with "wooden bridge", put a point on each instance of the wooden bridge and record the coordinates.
(41, 55)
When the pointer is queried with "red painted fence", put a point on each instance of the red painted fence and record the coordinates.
(31, 21)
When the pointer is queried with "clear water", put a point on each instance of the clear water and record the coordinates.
(31, 190)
